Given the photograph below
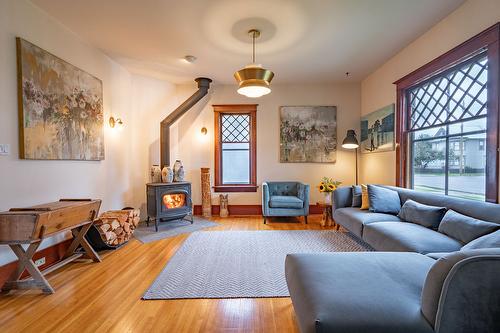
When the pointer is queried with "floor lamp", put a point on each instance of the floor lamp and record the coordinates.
(351, 142)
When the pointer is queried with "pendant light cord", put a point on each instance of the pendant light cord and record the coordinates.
(253, 47)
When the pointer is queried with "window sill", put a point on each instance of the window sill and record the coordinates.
(235, 188)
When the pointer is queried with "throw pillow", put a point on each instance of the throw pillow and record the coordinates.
(426, 216)
(465, 228)
(365, 201)
(484, 242)
(356, 196)
(383, 200)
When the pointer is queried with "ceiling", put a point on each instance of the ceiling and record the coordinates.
(303, 41)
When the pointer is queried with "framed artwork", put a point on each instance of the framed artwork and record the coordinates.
(60, 108)
(308, 134)
(377, 130)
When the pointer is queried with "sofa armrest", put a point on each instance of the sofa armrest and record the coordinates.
(342, 197)
(265, 199)
(303, 193)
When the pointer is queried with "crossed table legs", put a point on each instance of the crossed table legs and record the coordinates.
(37, 279)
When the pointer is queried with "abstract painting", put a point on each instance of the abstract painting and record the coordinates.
(377, 130)
(308, 134)
(60, 108)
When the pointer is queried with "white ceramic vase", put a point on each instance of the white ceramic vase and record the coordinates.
(167, 174)
(178, 171)
(155, 174)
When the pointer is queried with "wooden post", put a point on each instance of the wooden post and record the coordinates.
(206, 195)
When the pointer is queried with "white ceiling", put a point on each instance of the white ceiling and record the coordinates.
(307, 41)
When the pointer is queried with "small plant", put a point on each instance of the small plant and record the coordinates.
(328, 185)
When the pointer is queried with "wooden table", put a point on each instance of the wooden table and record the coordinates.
(327, 219)
(33, 224)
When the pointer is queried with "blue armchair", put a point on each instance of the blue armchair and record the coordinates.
(285, 199)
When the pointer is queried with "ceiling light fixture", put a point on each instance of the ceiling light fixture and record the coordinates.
(189, 59)
(253, 80)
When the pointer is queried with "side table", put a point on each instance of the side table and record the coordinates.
(327, 220)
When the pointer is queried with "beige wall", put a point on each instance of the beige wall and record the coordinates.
(197, 151)
(25, 182)
(377, 89)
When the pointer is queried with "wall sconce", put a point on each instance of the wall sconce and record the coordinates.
(114, 122)
(204, 131)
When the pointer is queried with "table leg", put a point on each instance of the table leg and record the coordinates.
(26, 262)
(79, 239)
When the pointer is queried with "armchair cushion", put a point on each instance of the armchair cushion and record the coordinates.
(285, 201)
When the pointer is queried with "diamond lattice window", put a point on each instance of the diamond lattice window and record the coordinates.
(235, 128)
(458, 94)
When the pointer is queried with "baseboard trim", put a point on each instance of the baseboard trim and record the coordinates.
(248, 209)
(52, 254)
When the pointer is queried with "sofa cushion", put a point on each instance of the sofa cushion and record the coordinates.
(365, 200)
(348, 292)
(285, 201)
(425, 215)
(353, 219)
(465, 228)
(356, 195)
(404, 236)
(484, 242)
(383, 200)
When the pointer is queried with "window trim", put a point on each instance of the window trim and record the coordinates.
(487, 40)
(219, 110)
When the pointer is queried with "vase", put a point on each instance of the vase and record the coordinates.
(177, 168)
(167, 174)
(327, 198)
(206, 195)
(155, 174)
(179, 175)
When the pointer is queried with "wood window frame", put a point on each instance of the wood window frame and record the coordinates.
(487, 40)
(219, 110)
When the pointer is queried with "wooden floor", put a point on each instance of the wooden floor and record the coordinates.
(106, 297)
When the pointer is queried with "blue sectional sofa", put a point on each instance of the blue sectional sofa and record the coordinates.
(422, 281)
(380, 231)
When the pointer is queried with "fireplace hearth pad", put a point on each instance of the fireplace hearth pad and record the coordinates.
(168, 202)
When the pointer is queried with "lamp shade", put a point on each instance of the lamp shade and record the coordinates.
(350, 141)
(253, 80)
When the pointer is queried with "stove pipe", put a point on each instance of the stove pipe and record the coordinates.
(203, 86)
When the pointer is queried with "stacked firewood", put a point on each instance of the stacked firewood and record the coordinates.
(117, 226)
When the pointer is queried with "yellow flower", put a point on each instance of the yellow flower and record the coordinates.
(321, 188)
(331, 187)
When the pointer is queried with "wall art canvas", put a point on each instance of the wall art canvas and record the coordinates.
(377, 130)
(308, 134)
(60, 108)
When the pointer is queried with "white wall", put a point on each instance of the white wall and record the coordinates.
(25, 182)
(152, 100)
(196, 150)
(377, 89)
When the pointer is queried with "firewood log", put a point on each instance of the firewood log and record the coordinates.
(118, 230)
(115, 224)
(105, 227)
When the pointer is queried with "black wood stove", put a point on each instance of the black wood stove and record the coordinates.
(169, 201)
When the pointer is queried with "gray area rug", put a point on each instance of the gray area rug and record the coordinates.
(171, 228)
(241, 264)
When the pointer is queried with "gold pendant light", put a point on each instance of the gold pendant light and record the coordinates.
(253, 80)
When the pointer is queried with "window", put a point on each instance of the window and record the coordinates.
(235, 148)
(447, 127)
